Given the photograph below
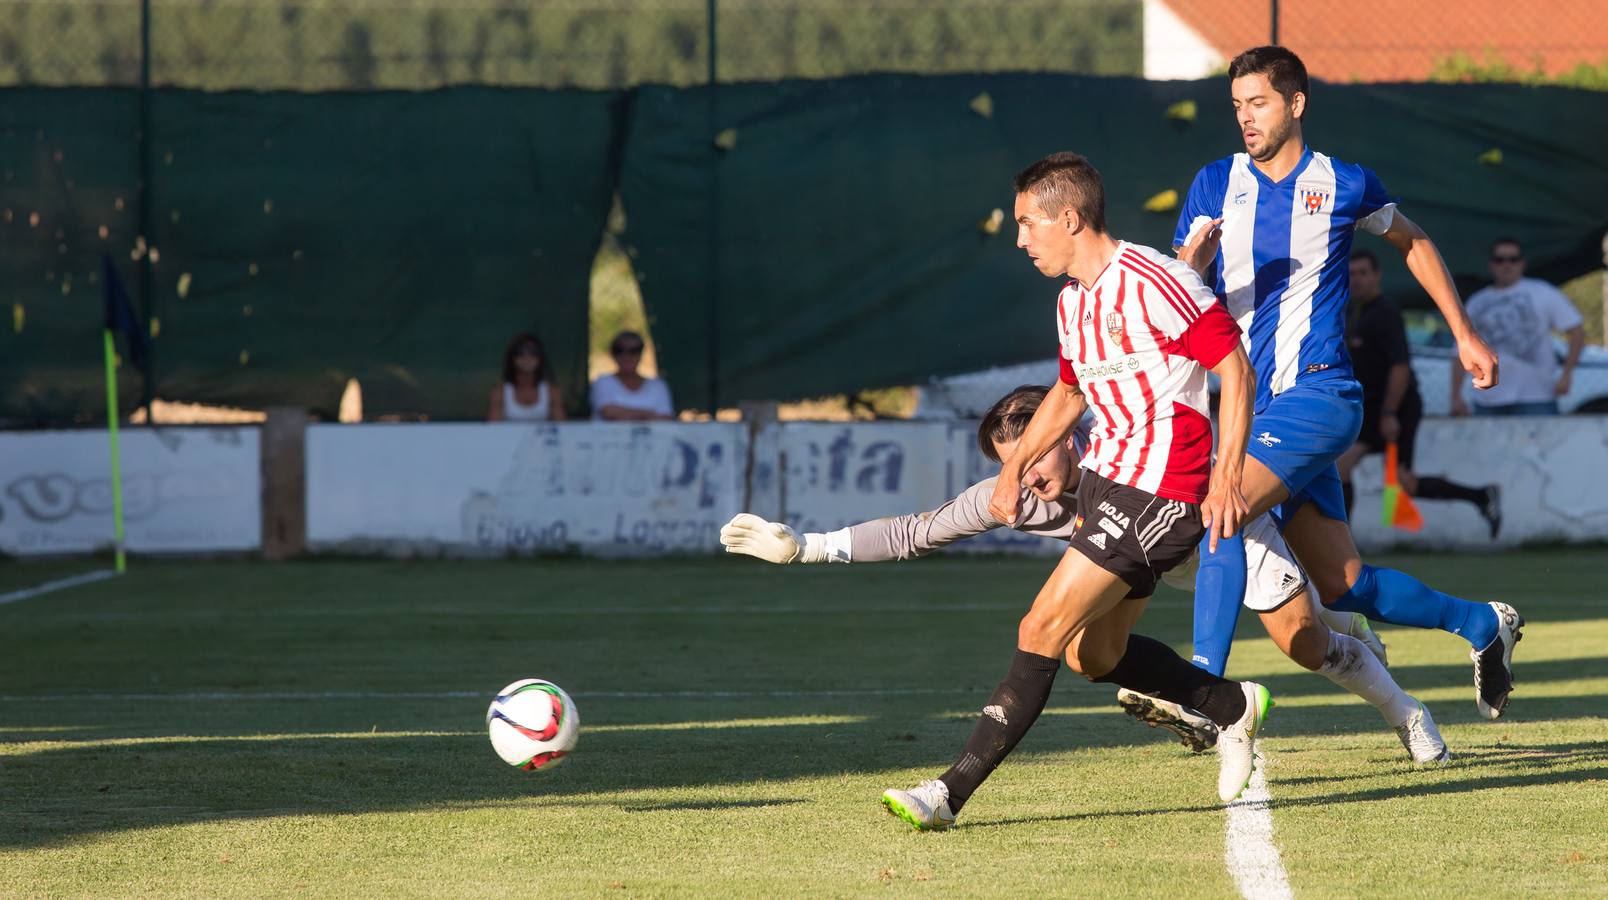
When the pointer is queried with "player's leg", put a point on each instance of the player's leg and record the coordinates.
(1486, 500)
(1281, 594)
(1076, 594)
(1219, 594)
(1322, 541)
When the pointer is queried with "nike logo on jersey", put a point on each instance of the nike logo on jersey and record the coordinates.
(1239, 198)
(1267, 439)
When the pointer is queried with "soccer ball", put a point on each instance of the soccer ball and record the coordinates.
(533, 724)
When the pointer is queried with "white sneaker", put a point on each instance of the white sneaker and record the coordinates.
(1362, 631)
(1422, 739)
(925, 807)
(1493, 666)
(1196, 731)
(1236, 744)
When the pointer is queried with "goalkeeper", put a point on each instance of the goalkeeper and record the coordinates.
(1351, 655)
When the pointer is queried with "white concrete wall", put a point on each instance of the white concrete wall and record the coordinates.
(619, 489)
(184, 490)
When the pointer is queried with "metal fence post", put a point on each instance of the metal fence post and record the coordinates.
(712, 231)
(142, 203)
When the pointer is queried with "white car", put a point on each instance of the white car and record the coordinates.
(1432, 354)
(970, 395)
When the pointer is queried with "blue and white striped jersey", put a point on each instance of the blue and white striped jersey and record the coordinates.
(1284, 265)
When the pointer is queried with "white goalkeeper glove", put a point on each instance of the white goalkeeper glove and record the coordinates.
(775, 542)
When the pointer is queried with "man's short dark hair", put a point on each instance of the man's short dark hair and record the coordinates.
(1502, 241)
(1063, 180)
(1284, 70)
(1008, 418)
(1373, 261)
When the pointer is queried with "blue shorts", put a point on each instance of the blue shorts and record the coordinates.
(1300, 434)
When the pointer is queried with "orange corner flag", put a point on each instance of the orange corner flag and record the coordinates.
(1398, 510)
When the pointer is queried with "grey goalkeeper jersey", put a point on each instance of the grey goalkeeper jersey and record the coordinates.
(918, 534)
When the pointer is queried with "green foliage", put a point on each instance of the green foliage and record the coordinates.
(1463, 67)
(422, 44)
(1586, 293)
(316, 729)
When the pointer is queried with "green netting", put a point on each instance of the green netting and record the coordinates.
(399, 238)
(846, 213)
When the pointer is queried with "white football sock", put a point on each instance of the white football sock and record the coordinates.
(1350, 664)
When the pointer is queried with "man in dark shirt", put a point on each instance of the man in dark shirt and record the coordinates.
(1391, 404)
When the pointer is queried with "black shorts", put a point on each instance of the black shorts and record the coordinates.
(1409, 415)
(1133, 534)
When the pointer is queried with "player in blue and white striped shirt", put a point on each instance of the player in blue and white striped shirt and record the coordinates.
(1276, 223)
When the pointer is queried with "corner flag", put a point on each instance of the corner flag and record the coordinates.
(120, 319)
(1398, 510)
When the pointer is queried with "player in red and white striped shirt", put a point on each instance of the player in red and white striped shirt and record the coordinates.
(1137, 332)
(1126, 338)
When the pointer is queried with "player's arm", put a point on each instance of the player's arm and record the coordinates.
(1225, 506)
(879, 540)
(1577, 343)
(1061, 409)
(1425, 262)
(1396, 379)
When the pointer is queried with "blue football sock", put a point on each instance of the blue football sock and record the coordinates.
(1386, 595)
(1219, 591)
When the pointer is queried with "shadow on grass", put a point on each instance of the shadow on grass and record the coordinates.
(1513, 767)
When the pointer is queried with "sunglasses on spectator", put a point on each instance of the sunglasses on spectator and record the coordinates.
(1507, 258)
(633, 350)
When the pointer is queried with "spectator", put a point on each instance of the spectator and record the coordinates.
(1517, 315)
(1391, 404)
(628, 396)
(527, 393)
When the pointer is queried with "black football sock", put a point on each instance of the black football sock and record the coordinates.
(1433, 487)
(1013, 708)
(1151, 667)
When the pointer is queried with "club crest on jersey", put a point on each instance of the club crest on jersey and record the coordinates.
(1314, 200)
(1113, 325)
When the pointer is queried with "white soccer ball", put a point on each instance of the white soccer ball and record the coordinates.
(533, 724)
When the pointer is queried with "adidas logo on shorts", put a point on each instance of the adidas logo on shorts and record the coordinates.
(1098, 539)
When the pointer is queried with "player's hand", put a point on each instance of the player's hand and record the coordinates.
(1565, 381)
(1222, 511)
(1459, 407)
(1478, 360)
(770, 541)
(1006, 504)
(1201, 248)
(1389, 428)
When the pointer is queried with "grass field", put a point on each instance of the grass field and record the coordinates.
(245, 729)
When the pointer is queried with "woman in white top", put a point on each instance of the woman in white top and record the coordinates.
(628, 396)
(526, 393)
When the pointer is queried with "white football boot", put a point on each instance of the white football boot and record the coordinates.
(1422, 739)
(1493, 666)
(1362, 631)
(925, 807)
(1236, 744)
(1196, 731)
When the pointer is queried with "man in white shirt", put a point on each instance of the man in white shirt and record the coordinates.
(1518, 315)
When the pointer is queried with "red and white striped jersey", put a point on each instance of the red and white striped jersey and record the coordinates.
(1138, 342)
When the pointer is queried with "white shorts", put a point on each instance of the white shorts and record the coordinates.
(1272, 576)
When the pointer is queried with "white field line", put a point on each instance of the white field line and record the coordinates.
(229, 696)
(537, 610)
(1250, 854)
(57, 585)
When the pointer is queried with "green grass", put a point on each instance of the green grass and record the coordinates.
(160, 735)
